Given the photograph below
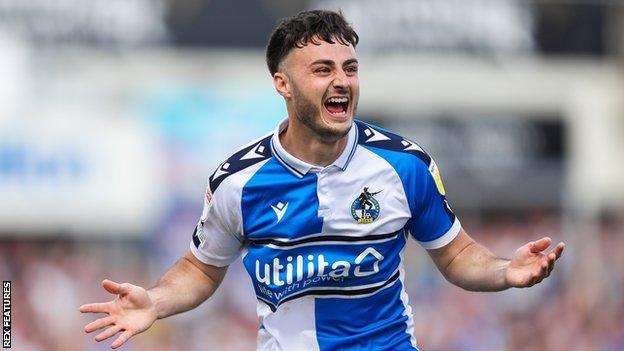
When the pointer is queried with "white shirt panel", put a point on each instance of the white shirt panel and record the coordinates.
(220, 228)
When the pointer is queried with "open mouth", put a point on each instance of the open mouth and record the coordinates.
(337, 106)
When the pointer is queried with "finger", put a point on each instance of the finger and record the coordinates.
(99, 324)
(116, 288)
(545, 267)
(121, 339)
(111, 286)
(108, 333)
(540, 272)
(538, 277)
(550, 269)
(551, 257)
(558, 250)
(540, 245)
(551, 263)
(98, 307)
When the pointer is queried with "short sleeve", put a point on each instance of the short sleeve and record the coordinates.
(217, 239)
(433, 223)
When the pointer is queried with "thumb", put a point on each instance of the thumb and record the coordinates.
(540, 245)
(114, 288)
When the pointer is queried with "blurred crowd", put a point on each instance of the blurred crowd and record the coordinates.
(580, 307)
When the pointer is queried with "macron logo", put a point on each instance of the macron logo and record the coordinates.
(410, 146)
(374, 135)
(223, 169)
(279, 210)
(255, 152)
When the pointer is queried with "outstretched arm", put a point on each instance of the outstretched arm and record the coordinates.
(184, 286)
(471, 266)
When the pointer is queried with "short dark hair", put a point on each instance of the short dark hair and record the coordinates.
(304, 28)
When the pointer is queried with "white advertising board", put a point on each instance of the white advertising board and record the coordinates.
(82, 178)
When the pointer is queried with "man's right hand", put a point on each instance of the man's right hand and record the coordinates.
(131, 313)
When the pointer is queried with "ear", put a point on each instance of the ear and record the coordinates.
(281, 82)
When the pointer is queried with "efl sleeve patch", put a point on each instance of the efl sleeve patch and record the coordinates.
(435, 173)
(432, 216)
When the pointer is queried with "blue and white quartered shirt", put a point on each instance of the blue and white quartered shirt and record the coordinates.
(323, 245)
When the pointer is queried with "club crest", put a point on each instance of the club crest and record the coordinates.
(365, 208)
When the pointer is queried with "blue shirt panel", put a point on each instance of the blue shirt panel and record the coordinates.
(269, 186)
(430, 216)
(367, 323)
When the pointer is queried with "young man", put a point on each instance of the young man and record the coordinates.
(321, 210)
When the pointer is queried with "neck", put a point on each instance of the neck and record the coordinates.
(299, 141)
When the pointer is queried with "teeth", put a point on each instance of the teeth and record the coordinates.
(338, 100)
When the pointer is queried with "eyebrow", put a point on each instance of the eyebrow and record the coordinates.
(332, 63)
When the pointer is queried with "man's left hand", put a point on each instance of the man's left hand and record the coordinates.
(530, 265)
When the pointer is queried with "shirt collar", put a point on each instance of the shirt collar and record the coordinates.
(301, 168)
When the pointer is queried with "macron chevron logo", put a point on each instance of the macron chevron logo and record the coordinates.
(280, 210)
(410, 146)
(221, 171)
(255, 152)
(374, 135)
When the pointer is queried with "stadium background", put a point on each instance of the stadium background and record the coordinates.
(114, 112)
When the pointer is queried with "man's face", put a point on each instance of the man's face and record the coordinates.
(324, 87)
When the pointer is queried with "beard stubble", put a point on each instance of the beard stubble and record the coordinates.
(309, 115)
